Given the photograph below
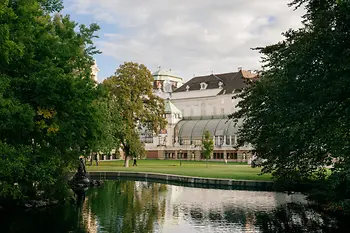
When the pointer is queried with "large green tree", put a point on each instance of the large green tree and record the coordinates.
(48, 115)
(297, 115)
(131, 89)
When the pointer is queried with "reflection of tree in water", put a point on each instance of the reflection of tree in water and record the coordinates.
(287, 218)
(298, 218)
(215, 216)
(197, 214)
(224, 218)
(227, 214)
(88, 220)
(128, 206)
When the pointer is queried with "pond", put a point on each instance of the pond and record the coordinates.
(136, 206)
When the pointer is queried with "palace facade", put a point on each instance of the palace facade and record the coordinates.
(191, 108)
(203, 103)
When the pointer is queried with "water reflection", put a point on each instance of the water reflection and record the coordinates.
(126, 206)
(209, 210)
(133, 206)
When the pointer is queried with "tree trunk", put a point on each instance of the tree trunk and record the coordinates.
(126, 159)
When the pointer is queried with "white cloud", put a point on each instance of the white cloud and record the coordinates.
(191, 37)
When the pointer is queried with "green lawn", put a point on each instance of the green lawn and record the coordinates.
(239, 171)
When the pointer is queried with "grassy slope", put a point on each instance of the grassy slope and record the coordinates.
(239, 171)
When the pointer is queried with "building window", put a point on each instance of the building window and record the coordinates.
(169, 155)
(214, 111)
(197, 142)
(222, 111)
(203, 86)
(222, 101)
(146, 138)
(161, 141)
(231, 155)
(186, 142)
(179, 155)
(218, 155)
(219, 140)
(228, 140)
(191, 112)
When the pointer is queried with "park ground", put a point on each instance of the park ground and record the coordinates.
(238, 171)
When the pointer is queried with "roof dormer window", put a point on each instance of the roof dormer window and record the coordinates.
(221, 84)
(203, 86)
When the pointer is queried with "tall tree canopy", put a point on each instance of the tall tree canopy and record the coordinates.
(131, 90)
(48, 115)
(297, 115)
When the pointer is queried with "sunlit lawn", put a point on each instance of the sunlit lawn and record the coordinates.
(240, 171)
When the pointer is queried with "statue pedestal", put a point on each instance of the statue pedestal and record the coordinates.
(80, 182)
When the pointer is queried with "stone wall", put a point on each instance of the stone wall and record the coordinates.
(229, 183)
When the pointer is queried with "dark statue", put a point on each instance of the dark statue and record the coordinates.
(81, 168)
(80, 181)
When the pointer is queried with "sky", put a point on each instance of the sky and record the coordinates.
(190, 37)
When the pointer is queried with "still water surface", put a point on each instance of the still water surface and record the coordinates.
(134, 206)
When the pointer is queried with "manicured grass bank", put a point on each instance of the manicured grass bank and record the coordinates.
(239, 171)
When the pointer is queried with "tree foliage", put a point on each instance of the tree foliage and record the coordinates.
(110, 123)
(207, 145)
(48, 114)
(131, 91)
(297, 115)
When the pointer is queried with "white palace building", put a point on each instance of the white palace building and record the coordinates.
(203, 103)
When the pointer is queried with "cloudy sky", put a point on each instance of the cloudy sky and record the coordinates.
(191, 37)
